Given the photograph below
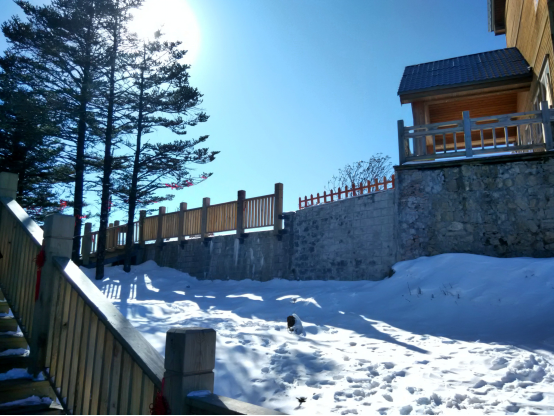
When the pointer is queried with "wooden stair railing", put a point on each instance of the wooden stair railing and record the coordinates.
(95, 360)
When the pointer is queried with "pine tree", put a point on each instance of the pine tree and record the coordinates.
(28, 144)
(161, 97)
(60, 46)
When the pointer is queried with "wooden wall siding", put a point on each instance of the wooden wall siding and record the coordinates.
(222, 217)
(530, 32)
(150, 228)
(478, 106)
(193, 222)
(18, 272)
(170, 226)
(258, 212)
(97, 360)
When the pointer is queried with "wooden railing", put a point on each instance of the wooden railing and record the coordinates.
(95, 360)
(258, 212)
(517, 132)
(373, 186)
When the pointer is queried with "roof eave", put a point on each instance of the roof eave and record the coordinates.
(517, 81)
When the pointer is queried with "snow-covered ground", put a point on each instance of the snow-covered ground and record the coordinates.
(455, 333)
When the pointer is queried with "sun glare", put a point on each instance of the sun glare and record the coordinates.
(174, 18)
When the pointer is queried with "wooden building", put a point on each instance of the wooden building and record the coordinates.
(511, 80)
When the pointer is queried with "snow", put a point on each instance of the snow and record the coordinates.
(29, 401)
(454, 333)
(15, 373)
(199, 393)
(15, 351)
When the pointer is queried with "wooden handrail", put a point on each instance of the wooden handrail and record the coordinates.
(514, 132)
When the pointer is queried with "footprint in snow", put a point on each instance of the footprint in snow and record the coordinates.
(387, 397)
(537, 397)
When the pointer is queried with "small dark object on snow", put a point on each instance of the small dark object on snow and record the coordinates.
(290, 322)
(301, 400)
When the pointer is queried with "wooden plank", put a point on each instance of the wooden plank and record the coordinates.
(69, 349)
(136, 390)
(13, 361)
(63, 334)
(51, 344)
(98, 367)
(12, 390)
(8, 324)
(76, 355)
(56, 326)
(12, 342)
(125, 389)
(31, 284)
(82, 363)
(24, 258)
(115, 382)
(89, 369)
(106, 374)
(147, 395)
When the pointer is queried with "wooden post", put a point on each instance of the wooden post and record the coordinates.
(467, 134)
(181, 232)
(142, 217)
(87, 244)
(241, 196)
(204, 222)
(159, 235)
(115, 235)
(401, 144)
(8, 185)
(58, 241)
(546, 125)
(278, 211)
(189, 364)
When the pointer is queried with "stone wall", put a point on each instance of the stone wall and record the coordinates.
(261, 256)
(351, 239)
(501, 206)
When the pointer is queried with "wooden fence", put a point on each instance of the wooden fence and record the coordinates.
(517, 132)
(239, 215)
(96, 361)
(372, 186)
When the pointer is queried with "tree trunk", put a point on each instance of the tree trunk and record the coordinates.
(80, 154)
(134, 181)
(104, 207)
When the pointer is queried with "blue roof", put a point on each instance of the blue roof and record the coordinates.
(480, 67)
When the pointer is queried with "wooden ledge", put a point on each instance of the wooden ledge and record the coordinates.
(213, 404)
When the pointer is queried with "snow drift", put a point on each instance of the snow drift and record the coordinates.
(452, 333)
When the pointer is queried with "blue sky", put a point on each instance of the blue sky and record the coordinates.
(296, 89)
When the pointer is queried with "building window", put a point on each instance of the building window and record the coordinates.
(544, 90)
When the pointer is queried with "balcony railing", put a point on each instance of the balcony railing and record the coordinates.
(506, 133)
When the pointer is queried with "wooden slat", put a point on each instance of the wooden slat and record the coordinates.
(56, 280)
(69, 351)
(78, 330)
(136, 390)
(125, 388)
(117, 359)
(63, 334)
(106, 374)
(57, 325)
(147, 395)
(83, 354)
(97, 374)
(89, 369)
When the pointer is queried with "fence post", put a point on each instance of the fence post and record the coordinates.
(58, 241)
(87, 244)
(204, 222)
(115, 235)
(181, 232)
(159, 235)
(142, 217)
(546, 126)
(401, 144)
(278, 211)
(241, 196)
(467, 134)
(189, 364)
(8, 185)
